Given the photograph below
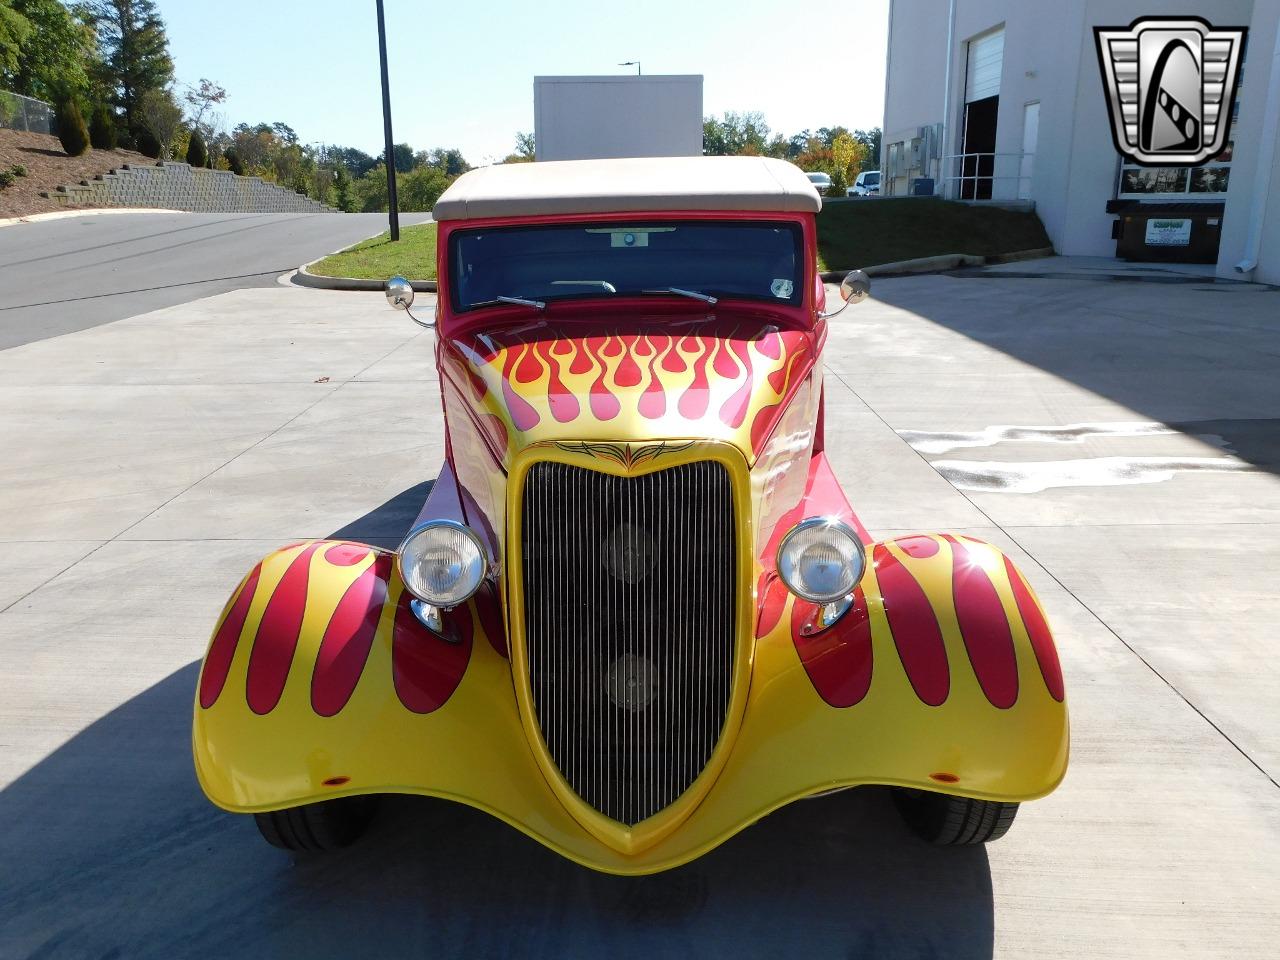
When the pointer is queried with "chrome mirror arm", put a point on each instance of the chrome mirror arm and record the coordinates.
(854, 288)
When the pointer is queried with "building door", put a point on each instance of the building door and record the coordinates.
(985, 64)
(979, 148)
(1030, 133)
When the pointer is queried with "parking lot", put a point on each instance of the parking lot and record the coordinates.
(1120, 439)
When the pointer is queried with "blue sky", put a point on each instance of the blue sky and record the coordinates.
(462, 72)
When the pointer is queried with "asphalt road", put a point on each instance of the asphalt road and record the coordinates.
(1121, 441)
(62, 275)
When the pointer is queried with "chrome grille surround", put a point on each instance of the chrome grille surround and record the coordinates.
(630, 599)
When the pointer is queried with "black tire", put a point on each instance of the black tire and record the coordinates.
(318, 827)
(953, 821)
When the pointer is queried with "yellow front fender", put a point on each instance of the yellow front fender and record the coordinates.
(319, 683)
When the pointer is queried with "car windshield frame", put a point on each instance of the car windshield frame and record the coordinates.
(592, 288)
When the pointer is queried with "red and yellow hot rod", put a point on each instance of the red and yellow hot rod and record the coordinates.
(636, 613)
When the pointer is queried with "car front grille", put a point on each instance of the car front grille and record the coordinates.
(629, 613)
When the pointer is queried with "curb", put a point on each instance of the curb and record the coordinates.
(87, 212)
(305, 278)
(939, 264)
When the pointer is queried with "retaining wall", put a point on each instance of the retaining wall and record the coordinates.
(178, 186)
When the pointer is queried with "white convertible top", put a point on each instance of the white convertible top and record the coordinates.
(618, 186)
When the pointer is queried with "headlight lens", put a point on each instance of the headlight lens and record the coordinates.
(821, 560)
(442, 562)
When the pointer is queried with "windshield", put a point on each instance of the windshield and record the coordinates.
(759, 261)
(873, 179)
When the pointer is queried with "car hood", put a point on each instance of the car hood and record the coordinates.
(709, 378)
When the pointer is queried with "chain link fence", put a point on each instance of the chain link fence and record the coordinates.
(23, 113)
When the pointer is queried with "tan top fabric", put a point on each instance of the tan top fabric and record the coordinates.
(609, 186)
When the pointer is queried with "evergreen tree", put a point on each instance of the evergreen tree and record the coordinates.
(71, 128)
(102, 128)
(135, 52)
(342, 190)
(197, 152)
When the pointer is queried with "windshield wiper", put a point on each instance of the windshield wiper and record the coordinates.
(518, 301)
(691, 294)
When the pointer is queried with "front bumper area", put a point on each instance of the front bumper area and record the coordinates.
(317, 685)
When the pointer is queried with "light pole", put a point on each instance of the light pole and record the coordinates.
(393, 205)
(632, 63)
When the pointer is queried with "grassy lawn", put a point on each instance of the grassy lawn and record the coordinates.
(378, 258)
(866, 232)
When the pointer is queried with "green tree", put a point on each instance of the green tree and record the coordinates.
(56, 57)
(735, 134)
(135, 52)
(421, 188)
(451, 162)
(371, 190)
(72, 131)
(15, 31)
(102, 128)
(870, 139)
(402, 156)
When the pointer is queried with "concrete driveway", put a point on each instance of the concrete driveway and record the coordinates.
(65, 274)
(149, 462)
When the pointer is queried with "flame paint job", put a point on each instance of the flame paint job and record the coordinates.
(707, 377)
(320, 682)
(320, 620)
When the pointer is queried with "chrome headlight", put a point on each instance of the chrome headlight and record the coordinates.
(821, 560)
(442, 562)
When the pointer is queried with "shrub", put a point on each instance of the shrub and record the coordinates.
(6, 178)
(18, 170)
(72, 131)
(197, 152)
(234, 163)
(102, 129)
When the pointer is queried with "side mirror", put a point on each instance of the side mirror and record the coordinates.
(399, 293)
(854, 288)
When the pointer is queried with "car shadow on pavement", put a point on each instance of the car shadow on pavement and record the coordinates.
(110, 850)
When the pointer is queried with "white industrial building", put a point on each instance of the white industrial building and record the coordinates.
(1003, 100)
(603, 118)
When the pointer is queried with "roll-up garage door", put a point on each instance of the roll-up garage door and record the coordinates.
(986, 60)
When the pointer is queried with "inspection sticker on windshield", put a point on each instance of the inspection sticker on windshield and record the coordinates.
(782, 289)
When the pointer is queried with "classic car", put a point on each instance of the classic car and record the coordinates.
(637, 612)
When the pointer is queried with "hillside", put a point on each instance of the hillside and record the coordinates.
(48, 167)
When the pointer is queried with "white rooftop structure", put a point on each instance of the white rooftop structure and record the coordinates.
(619, 186)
